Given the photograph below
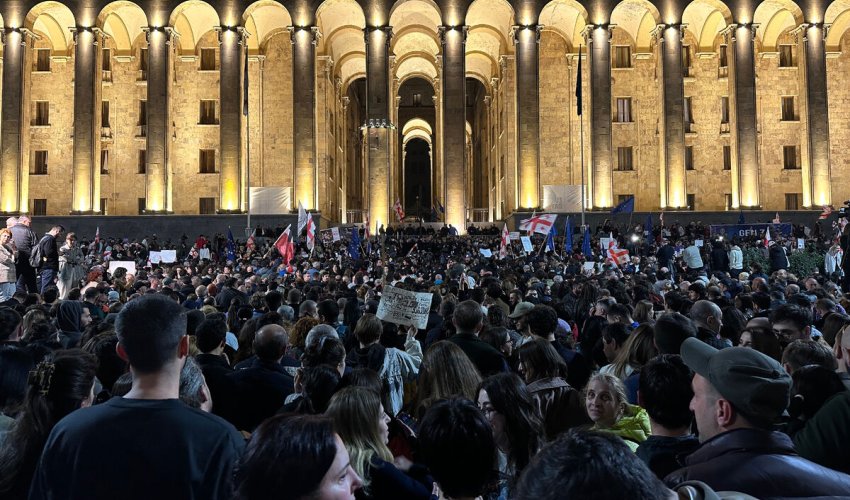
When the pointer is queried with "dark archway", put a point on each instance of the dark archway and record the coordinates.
(417, 178)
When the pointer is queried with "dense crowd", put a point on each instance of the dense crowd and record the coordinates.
(696, 365)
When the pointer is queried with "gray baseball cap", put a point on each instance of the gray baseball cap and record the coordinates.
(754, 383)
(521, 310)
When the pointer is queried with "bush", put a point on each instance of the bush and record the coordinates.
(805, 263)
(755, 256)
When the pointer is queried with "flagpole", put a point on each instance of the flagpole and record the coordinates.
(581, 140)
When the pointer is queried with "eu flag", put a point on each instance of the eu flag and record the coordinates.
(585, 244)
(647, 226)
(550, 239)
(627, 206)
(354, 244)
(568, 238)
(231, 246)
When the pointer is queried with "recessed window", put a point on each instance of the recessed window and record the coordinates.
(686, 60)
(723, 61)
(206, 161)
(624, 110)
(42, 59)
(208, 60)
(143, 113)
(689, 157)
(39, 206)
(41, 117)
(106, 60)
(692, 201)
(724, 110)
(624, 159)
(417, 100)
(689, 115)
(142, 205)
(207, 112)
(206, 206)
(104, 162)
(622, 56)
(104, 114)
(727, 157)
(792, 201)
(143, 64)
(788, 112)
(104, 206)
(39, 163)
(790, 157)
(786, 56)
(728, 199)
(143, 161)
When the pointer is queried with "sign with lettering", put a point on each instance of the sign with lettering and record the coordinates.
(731, 231)
(403, 307)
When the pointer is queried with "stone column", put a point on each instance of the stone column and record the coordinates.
(526, 42)
(343, 202)
(231, 44)
(14, 122)
(815, 106)
(672, 140)
(742, 108)
(601, 173)
(158, 171)
(453, 40)
(378, 175)
(87, 83)
(304, 41)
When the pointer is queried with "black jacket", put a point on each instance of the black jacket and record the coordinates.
(664, 455)
(485, 357)
(49, 252)
(778, 257)
(759, 463)
(216, 372)
(260, 391)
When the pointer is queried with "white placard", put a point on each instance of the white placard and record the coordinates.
(603, 243)
(129, 265)
(155, 257)
(526, 243)
(403, 307)
(698, 243)
(169, 256)
(486, 252)
(335, 233)
(514, 235)
(588, 266)
(204, 253)
(801, 243)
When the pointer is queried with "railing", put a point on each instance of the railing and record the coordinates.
(355, 216)
(478, 214)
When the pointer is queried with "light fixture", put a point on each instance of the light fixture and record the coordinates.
(635, 238)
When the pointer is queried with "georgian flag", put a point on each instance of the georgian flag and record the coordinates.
(399, 210)
(503, 247)
(311, 232)
(538, 223)
(283, 244)
(302, 218)
(619, 257)
(767, 237)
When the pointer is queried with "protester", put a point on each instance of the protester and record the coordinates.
(8, 255)
(608, 408)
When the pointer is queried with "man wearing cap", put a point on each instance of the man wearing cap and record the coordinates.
(518, 315)
(738, 393)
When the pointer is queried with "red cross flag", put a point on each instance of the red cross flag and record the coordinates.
(311, 232)
(827, 211)
(619, 257)
(767, 237)
(538, 223)
(399, 210)
(503, 248)
(283, 244)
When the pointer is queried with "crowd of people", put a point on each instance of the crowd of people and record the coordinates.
(695, 368)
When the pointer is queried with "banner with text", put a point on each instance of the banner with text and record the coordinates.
(403, 307)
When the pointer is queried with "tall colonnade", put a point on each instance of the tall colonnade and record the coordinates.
(125, 108)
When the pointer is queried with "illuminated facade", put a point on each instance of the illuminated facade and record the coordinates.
(125, 107)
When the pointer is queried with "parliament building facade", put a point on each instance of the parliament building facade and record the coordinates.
(463, 108)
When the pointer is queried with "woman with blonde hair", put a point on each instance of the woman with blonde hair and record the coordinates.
(610, 411)
(362, 424)
(446, 371)
(636, 351)
(8, 277)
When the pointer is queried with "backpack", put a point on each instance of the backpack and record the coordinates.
(37, 255)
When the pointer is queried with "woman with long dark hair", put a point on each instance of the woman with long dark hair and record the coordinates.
(62, 383)
(516, 421)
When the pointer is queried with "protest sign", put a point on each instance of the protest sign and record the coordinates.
(403, 307)
(526, 243)
(699, 243)
(129, 265)
(514, 235)
(155, 257)
(486, 252)
(204, 254)
(335, 233)
(169, 256)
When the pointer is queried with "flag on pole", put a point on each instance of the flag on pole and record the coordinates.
(311, 232)
(586, 250)
(231, 246)
(251, 244)
(503, 247)
(568, 237)
(661, 219)
(647, 226)
(538, 223)
(578, 83)
(827, 211)
(398, 209)
(302, 218)
(741, 219)
(354, 244)
(434, 216)
(367, 231)
(412, 249)
(245, 83)
(282, 244)
(441, 207)
(627, 206)
(97, 236)
(767, 237)
(550, 239)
